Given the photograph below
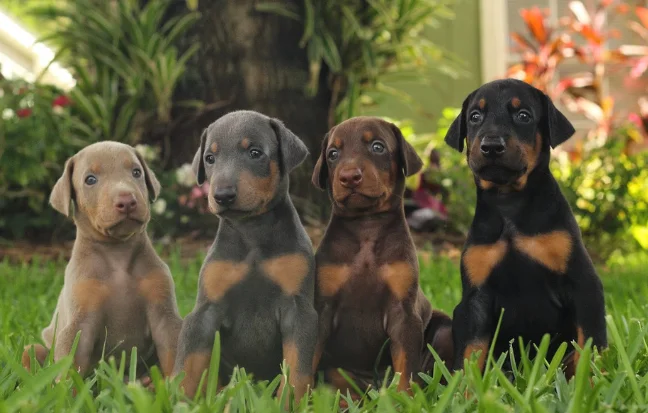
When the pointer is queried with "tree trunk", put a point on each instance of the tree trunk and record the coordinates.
(252, 60)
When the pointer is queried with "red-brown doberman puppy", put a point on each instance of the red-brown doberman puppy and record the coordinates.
(367, 289)
(117, 291)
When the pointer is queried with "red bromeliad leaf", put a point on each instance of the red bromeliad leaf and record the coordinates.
(642, 14)
(639, 67)
(522, 41)
(534, 19)
(424, 199)
(589, 33)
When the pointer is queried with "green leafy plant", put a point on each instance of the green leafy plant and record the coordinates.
(124, 61)
(449, 171)
(360, 42)
(35, 141)
(608, 192)
(601, 175)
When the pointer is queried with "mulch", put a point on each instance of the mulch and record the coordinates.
(189, 247)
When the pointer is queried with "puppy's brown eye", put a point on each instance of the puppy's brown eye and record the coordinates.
(91, 180)
(475, 117)
(333, 154)
(137, 173)
(377, 147)
(524, 116)
(210, 159)
(255, 153)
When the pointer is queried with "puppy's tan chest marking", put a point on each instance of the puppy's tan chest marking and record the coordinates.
(155, 287)
(552, 250)
(287, 271)
(480, 260)
(90, 294)
(331, 278)
(399, 277)
(220, 276)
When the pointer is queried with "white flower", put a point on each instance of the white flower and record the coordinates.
(7, 114)
(185, 176)
(159, 206)
(58, 110)
(147, 152)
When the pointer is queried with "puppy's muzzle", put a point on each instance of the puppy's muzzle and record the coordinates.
(225, 196)
(350, 177)
(125, 203)
(492, 147)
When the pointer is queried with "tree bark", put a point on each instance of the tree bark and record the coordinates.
(252, 60)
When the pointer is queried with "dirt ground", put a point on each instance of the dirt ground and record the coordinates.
(190, 247)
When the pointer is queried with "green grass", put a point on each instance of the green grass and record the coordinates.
(620, 375)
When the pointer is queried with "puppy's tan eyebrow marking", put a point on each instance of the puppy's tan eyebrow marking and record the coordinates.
(337, 142)
(367, 136)
(482, 103)
(128, 163)
(515, 102)
(245, 143)
(95, 168)
(214, 147)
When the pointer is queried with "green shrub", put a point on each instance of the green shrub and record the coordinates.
(124, 61)
(453, 173)
(35, 141)
(608, 193)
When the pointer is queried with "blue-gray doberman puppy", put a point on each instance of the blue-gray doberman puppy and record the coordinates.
(256, 285)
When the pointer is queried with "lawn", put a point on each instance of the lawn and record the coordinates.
(619, 376)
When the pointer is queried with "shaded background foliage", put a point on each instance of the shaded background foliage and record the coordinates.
(154, 73)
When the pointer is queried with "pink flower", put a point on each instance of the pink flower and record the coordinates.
(24, 112)
(61, 100)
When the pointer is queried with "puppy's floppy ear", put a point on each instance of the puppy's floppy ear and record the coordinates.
(198, 164)
(557, 127)
(458, 130)
(410, 161)
(152, 183)
(63, 192)
(293, 151)
(320, 172)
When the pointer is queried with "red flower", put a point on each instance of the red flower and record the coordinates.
(61, 100)
(24, 112)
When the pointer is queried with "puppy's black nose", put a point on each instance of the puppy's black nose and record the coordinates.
(492, 146)
(225, 196)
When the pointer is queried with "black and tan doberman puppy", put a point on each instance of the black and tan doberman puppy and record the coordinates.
(257, 283)
(117, 291)
(524, 252)
(367, 289)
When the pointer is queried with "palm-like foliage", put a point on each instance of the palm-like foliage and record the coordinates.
(362, 41)
(124, 61)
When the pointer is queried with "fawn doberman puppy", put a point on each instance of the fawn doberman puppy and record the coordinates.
(256, 285)
(367, 290)
(524, 252)
(117, 292)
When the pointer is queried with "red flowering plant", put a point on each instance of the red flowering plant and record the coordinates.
(602, 176)
(35, 141)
